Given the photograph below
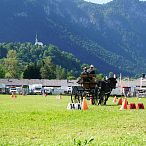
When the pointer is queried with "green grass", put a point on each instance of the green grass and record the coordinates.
(38, 120)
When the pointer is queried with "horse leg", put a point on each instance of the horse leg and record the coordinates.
(106, 98)
(101, 98)
(96, 96)
(99, 102)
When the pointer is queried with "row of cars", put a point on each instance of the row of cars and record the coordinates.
(36, 89)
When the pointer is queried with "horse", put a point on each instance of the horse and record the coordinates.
(105, 88)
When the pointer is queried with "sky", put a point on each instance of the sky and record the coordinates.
(102, 1)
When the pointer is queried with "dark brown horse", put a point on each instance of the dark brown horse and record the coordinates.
(105, 88)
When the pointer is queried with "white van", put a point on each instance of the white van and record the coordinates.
(35, 88)
(13, 90)
(48, 90)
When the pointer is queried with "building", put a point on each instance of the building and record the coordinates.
(127, 87)
(56, 84)
(37, 42)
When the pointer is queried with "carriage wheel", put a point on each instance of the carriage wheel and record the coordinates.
(94, 94)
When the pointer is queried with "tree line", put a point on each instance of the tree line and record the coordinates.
(35, 62)
(28, 61)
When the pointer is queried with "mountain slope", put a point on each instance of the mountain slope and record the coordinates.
(110, 36)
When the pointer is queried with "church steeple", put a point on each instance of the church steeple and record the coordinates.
(37, 42)
(36, 39)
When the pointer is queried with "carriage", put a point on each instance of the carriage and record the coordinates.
(88, 88)
(97, 91)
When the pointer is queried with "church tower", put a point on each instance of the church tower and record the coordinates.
(37, 42)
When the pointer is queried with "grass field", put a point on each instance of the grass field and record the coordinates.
(38, 120)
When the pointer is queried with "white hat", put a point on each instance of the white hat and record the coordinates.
(91, 66)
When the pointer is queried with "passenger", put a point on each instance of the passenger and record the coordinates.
(84, 71)
(84, 76)
(91, 73)
(91, 70)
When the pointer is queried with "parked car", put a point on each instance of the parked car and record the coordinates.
(48, 90)
(13, 90)
(35, 88)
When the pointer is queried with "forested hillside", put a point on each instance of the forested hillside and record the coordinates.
(24, 60)
(110, 36)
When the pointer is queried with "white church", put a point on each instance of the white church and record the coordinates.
(37, 42)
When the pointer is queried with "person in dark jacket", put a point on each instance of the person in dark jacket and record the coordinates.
(91, 70)
(84, 71)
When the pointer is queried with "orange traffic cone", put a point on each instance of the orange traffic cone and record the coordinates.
(124, 104)
(115, 99)
(84, 104)
(136, 97)
(14, 96)
(120, 101)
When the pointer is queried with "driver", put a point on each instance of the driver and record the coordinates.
(91, 70)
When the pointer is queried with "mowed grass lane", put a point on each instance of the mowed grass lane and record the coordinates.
(38, 120)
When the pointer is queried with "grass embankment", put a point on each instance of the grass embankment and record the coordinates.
(38, 120)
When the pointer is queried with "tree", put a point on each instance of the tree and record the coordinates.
(2, 72)
(11, 65)
(32, 71)
(111, 74)
(100, 76)
(48, 69)
(70, 76)
(60, 72)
